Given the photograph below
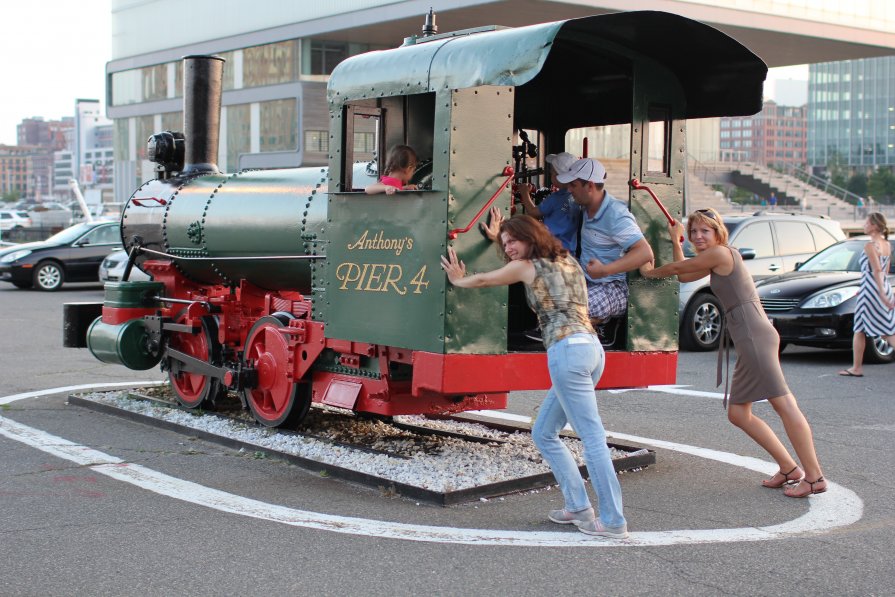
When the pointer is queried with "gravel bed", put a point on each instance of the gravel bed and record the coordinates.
(441, 464)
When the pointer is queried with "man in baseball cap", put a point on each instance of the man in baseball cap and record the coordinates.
(611, 241)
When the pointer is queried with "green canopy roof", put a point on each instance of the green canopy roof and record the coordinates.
(565, 64)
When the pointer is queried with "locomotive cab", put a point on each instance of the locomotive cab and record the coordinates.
(467, 99)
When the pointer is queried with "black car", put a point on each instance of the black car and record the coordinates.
(815, 304)
(73, 255)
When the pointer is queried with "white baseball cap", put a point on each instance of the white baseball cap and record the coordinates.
(561, 161)
(584, 169)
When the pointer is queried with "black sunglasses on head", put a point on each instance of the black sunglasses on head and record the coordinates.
(707, 212)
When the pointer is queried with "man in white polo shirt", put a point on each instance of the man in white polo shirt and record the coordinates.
(611, 241)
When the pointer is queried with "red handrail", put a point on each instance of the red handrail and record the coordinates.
(636, 185)
(156, 199)
(508, 172)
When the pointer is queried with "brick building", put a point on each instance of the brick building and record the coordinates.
(16, 169)
(776, 137)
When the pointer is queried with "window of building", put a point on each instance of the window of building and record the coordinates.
(172, 121)
(270, 64)
(239, 134)
(279, 125)
(325, 55)
(317, 141)
(126, 88)
(155, 82)
(659, 140)
(144, 130)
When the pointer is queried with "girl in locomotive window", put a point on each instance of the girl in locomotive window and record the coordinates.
(556, 291)
(399, 168)
(757, 374)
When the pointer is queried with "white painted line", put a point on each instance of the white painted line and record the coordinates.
(672, 389)
(83, 386)
(837, 508)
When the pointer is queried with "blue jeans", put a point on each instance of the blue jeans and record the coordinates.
(576, 363)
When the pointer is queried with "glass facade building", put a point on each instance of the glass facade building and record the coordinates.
(851, 114)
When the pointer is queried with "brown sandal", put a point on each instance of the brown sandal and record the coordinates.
(811, 491)
(787, 480)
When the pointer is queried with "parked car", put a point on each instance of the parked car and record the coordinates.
(815, 305)
(770, 243)
(73, 255)
(13, 223)
(112, 269)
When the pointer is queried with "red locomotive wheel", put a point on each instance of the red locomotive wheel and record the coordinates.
(195, 390)
(275, 401)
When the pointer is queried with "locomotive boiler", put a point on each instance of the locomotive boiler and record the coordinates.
(292, 286)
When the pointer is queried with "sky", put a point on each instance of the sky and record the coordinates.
(55, 51)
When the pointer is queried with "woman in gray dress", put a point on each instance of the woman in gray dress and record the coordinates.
(757, 374)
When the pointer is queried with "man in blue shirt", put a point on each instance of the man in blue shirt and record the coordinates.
(558, 210)
(611, 241)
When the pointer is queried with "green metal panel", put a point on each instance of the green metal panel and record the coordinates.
(383, 283)
(480, 147)
(653, 304)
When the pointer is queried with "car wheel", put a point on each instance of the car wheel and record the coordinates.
(49, 276)
(701, 327)
(877, 350)
(17, 234)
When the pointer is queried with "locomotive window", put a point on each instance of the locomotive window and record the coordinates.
(658, 141)
(363, 140)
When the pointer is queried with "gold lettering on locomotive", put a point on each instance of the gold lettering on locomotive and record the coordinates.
(419, 280)
(377, 277)
(379, 242)
(390, 281)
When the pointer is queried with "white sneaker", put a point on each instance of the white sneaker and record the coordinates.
(595, 527)
(576, 518)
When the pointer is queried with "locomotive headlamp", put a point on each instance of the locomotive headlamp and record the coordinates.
(167, 150)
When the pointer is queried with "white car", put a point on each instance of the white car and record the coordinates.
(112, 269)
(14, 220)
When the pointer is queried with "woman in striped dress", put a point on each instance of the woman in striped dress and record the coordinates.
(874, 314)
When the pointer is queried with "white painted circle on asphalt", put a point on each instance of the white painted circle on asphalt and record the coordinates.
(838, 507)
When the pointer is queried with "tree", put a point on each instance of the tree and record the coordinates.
(11, 196)
(881, 185)
(857, 184)
(836, 169)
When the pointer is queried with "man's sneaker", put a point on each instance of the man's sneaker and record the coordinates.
(595, 527)
(534, 334)
(576, 518)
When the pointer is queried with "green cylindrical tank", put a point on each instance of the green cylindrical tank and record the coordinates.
(122, 344)
(126, 343)
(222, 224)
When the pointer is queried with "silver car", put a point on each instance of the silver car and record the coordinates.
(112, 269)
(770, 243)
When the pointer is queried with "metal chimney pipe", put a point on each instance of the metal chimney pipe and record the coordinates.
(202, 82)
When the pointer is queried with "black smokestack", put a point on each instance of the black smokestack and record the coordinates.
(202, 78)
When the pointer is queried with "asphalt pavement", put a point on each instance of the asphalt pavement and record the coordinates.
(175, 515)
